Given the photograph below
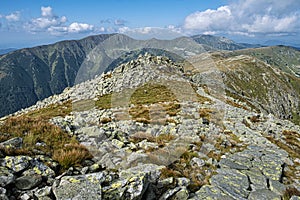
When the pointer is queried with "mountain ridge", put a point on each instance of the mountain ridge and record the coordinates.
(32, 74)
(149, 124)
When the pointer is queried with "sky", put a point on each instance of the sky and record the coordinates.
(26, 23)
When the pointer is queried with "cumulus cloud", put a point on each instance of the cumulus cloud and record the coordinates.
(247, 17)
(13, 17)
(55, 25)
(80, 27)
(46, 11)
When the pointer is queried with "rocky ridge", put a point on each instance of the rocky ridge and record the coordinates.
(205, 149)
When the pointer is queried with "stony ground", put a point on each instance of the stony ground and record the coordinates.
(207, 149)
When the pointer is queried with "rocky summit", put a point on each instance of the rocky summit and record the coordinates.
(153, 128)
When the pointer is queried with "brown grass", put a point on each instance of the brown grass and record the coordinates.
(205, 113)
(234, 104)
(52, 110)
(38, 130)
(71, 155)
(289, 192)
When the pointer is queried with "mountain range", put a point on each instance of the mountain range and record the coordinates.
(32, 74)
(111, 117)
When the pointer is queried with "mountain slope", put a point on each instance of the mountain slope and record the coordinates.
(264, 86)
(29, 75)
(151, 131)
(220, 43)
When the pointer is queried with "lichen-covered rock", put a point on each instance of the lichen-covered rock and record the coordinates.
(263, 194)
(16, 163)
(38, 167)
(231, 182)
(80, 187)
(133, 182)
(211, 192)
(257, 179)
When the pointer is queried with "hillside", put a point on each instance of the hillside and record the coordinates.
(221, 43)
(155, 129)
(29, 75)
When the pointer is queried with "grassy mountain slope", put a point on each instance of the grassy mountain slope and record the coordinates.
(264, 87)
(32, 74)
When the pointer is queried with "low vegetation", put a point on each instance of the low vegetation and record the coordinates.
(290, 143)
(41, 137)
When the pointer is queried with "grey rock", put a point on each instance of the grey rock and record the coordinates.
(197, 162)
(295, 198)
(80, 187)
(43, 192)
(231, 182)
(182, 194)
(13, 143)
(16, 163)
(6, 177)
(210, 192)
(231, 164)
(25, 196)
(263, 194)
(183, 181)
(28, 182)
(169, 193)
(277, 187)
(257, 179)
(165, 183)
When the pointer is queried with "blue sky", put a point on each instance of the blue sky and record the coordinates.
(25, 23)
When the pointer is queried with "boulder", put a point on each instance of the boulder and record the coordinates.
(83, 187)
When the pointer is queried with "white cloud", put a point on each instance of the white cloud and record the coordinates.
(119, 22)
(55, 25)
(209, 20)
(247, 17)
(76, 27)
(169, 32)
(46, 11)
(13, 16)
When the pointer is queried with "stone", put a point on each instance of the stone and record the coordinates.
(227, 163)
(183, 181)
(28, 182)
(16, 163)
(169, 193)
(182, 194)
(277, 187)
(263, 194)
(117, 143)
(257, 179)
(197, 162)
(6, 177)
(295, 198)
(80, 187)
(43, 192)
(165, 183)
(15, 143)
(210, 192)
(39, 168)
(231, 182)
(25, 197)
